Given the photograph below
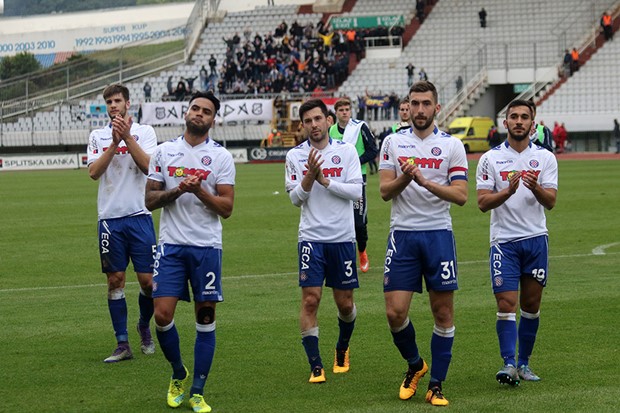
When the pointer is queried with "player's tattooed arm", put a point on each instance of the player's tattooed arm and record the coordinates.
(156, 196)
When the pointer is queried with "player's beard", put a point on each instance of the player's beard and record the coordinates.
(519, 136)
(121, 112)
(429, 121)
(197, 129)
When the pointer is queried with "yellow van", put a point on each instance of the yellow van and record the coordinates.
(472, 131)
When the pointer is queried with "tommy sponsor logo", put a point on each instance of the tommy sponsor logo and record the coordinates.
(330, 172)
(121, 150)
(182, 172)
(430, 163)
(506, 175)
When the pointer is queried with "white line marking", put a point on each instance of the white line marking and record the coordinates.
(600, 250)
(247, 276)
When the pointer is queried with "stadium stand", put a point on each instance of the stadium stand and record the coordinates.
(587, 92)
(451, 34)
(449, 43)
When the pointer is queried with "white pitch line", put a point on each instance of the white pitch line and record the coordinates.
(247, 276)
(600, 250)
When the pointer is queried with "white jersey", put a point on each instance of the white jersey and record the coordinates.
(521, 216)
(326, 213)
(187, 221)
(442, 159)
(122, 185)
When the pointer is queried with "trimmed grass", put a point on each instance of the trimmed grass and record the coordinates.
(56, 329)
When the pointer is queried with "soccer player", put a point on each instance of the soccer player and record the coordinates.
(540, 134)
(357, 133)
(192, 178)
(118, 156)
(422, 171)
(517, 181)
(405, 116)
(323, 178)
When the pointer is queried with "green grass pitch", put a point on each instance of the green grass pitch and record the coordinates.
(55, 327)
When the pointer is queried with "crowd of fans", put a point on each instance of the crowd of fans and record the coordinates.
(297, 58)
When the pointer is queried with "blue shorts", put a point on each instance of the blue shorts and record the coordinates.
(413, 255)
(175, 265)
(510, 261)
(123, 238)
(333, 263)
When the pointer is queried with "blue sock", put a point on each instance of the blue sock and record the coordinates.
(204, 349)
(346, 325)
(168, 338)
(528, 327)
(405, 342)
(118, 313)
(310, 341)
(441, 351)
(506, 327)
(146, 309)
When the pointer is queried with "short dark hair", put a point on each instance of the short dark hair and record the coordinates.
(332, 115)
(207, 95)
(311, 104)
(424, 86)
(404, 100)
(115, 88)
(521, 102)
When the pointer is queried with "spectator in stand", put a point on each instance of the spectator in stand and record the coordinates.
(327, 38)
(607, 26)
(180, 92)
(419, 11)
(568, 64)
(574, 54)
(236, 40)
(423, 75)
(247, 33)
(394, 104)
(147, 92)
(361, 107)
(410, 73)
(459, 84)
(190, 83)
(482, 14)
(213, 66)
(204, 77)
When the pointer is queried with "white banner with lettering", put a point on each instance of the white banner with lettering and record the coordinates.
(166, 113)
(39, 161)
